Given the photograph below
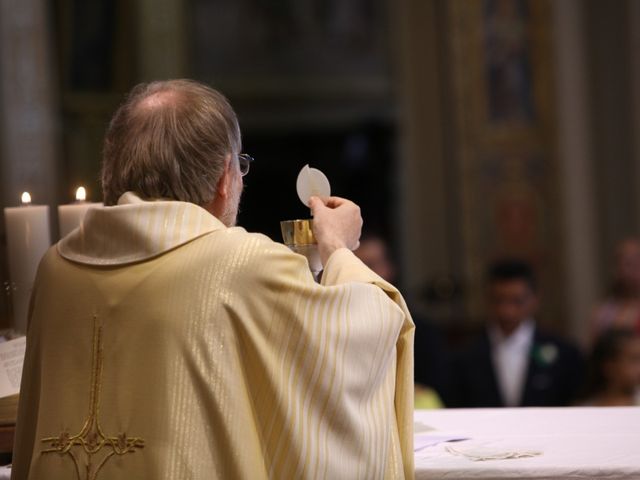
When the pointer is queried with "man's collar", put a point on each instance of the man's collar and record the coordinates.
(522, 335)
(135, 230)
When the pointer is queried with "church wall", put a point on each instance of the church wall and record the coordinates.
(480, 132)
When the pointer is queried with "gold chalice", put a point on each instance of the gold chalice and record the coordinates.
(298, 236)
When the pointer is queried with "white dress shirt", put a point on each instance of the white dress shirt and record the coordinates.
(510, 356)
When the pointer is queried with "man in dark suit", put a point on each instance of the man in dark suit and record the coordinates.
(513, 363)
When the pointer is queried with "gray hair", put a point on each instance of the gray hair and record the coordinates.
(169, 139)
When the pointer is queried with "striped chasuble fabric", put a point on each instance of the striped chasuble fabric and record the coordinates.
(164, 345)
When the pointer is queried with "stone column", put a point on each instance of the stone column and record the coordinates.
(634, 60)
(28, 123)
(610, 58)
(575, 163)
(162, 41)
(28, 117)
(426, 211)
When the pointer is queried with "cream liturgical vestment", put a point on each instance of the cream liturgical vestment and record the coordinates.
(164, 345)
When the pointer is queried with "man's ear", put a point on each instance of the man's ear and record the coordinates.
(223, 188)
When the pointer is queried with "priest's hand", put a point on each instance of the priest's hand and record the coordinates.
(336, 224)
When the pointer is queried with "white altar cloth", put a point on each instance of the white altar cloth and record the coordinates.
(575, 443)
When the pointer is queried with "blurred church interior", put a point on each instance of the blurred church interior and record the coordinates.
(466, 130)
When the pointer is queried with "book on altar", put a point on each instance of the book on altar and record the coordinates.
(11, 360)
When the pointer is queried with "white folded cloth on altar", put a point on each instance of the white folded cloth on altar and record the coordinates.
(482, 451)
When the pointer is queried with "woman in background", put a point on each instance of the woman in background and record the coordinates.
(622, 307)
(614, 376)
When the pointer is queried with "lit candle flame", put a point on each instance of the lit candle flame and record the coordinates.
(26, 198)
(81, 194)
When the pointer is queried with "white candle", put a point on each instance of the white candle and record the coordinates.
(70, 216)
(28, 238)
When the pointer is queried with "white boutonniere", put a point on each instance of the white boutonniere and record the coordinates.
(546, 354)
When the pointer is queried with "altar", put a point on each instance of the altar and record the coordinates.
(571, 443)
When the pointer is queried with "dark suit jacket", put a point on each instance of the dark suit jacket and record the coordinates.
(431, 359)
(554, 375)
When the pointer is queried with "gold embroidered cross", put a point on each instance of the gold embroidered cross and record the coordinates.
(91, 439)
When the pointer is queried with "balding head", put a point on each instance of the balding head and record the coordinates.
(161, 99)
(170, 140)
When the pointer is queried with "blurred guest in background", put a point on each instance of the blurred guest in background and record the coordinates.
(431, 359)
(614, 373)
(622, 308)
(513, 363)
